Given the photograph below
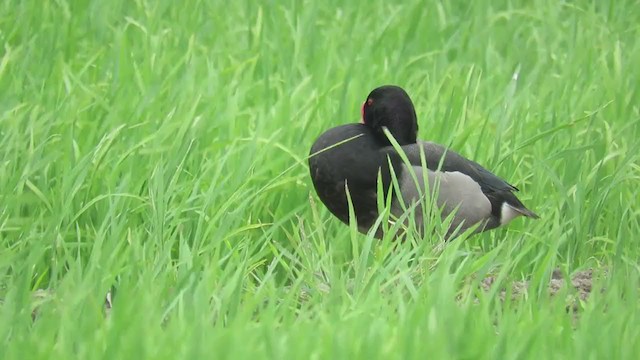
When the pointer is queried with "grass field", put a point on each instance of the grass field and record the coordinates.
(161, 148)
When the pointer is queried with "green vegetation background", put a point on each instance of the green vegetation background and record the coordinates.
(161, 147)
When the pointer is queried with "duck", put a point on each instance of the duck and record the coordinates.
(350, 163)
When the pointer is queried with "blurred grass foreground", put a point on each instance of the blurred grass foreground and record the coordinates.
(160, 149)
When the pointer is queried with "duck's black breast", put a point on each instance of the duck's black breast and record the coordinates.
(349, 155)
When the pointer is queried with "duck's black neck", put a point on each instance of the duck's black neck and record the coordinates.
(402, 135)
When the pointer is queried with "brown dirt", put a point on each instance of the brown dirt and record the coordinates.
(581, 282)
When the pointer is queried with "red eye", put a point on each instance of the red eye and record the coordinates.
(366, 104)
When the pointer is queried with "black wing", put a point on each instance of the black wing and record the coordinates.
(451, 161)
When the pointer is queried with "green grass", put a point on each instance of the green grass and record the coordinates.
(161, 147)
